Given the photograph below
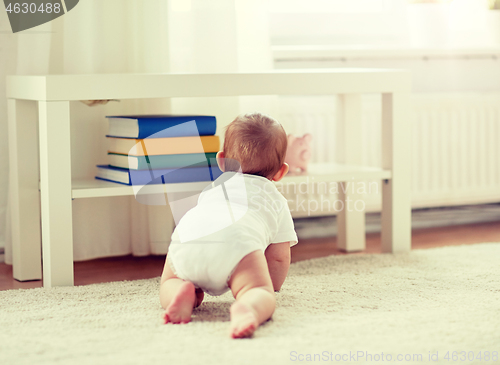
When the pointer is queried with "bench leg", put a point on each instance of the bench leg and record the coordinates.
(24, 190)
(351, 235)
(396, 156)
(55, 188)
(351, 219)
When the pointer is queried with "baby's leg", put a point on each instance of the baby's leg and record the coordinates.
(253, 289)
(178, 297)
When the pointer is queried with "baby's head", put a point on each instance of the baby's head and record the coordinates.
(258, 143)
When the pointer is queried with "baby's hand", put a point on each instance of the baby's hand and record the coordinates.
(278, 262)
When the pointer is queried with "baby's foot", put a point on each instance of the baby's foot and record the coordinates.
(243, 321)
(181, 306)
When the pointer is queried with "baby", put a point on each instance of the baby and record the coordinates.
(238, 236)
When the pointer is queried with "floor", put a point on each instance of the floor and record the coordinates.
(134, 268)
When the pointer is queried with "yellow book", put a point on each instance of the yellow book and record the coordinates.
(163, 146)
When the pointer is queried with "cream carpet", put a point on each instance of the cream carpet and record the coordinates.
(426, 301)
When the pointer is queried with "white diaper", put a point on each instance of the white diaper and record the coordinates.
(208, 265)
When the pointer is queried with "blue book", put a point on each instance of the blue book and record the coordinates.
(158, 176)
(161, 126)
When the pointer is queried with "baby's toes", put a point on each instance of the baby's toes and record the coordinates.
(171, 318)
(176, 317)
(244, 329)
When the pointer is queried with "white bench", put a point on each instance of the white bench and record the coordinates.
(42, 202)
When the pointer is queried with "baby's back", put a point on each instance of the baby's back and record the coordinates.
(235, 207)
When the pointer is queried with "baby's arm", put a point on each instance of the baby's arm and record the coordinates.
(278, 262)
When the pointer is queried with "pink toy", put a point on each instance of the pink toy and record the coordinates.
(298, 152)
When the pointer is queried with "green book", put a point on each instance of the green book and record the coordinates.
(162, 161)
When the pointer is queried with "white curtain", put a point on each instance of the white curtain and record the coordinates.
(135, 36)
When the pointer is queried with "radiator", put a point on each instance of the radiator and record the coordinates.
(455, 147)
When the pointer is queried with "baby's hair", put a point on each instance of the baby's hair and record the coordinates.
(257, 142)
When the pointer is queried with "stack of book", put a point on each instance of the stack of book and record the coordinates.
(160, 149)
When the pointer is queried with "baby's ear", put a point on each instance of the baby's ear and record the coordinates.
(220, 160)
(281, 172)
(308, 137)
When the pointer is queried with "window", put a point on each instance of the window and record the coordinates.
(385, 23)
(337, 22)
(329, 6)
